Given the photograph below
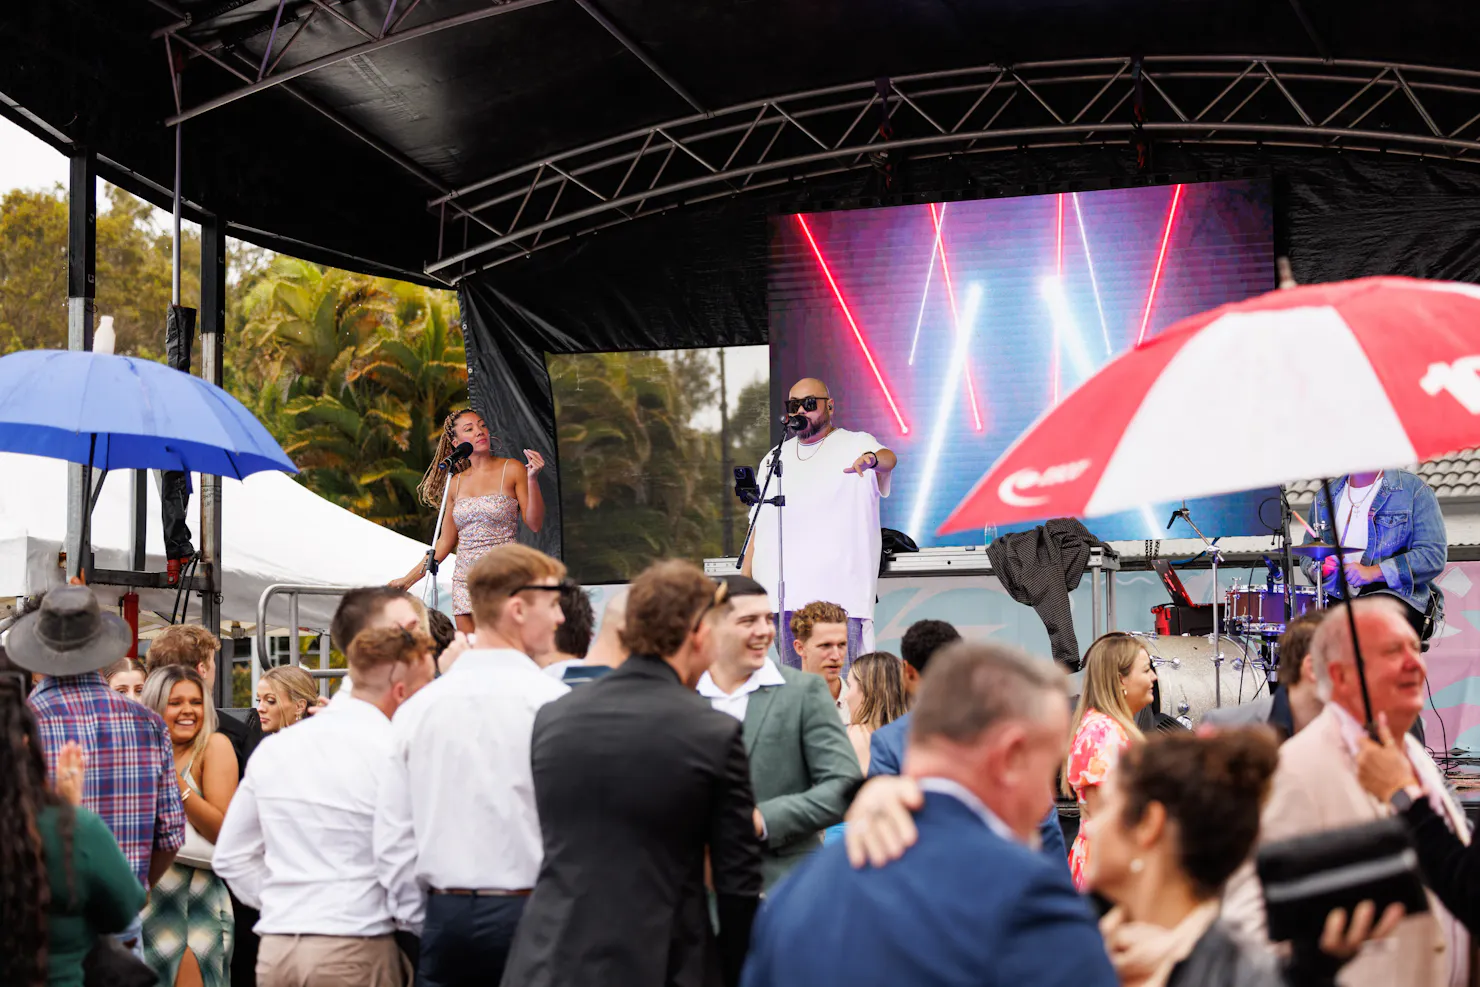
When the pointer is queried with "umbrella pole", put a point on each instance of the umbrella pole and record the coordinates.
(1351, 618)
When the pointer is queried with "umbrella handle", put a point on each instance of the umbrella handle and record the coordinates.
(1351, 617)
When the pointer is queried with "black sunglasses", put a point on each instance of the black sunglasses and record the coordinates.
(793, 405)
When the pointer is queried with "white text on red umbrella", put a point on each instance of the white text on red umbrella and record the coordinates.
(1030, 479)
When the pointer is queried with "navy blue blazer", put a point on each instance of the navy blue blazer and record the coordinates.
(886, 757)
(963, 907)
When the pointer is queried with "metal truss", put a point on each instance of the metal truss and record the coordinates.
(1274, 101)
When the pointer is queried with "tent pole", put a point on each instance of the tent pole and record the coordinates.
(212, 338)
(82, 243)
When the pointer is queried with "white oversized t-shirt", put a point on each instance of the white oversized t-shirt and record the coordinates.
(832, 525)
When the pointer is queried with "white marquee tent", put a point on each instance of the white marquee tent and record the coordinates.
(273, 531)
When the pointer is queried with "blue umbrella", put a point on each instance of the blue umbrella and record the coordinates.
(117, 412)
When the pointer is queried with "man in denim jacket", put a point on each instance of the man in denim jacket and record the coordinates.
(1406, 544)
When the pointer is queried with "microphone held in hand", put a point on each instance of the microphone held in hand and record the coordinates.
(462, 452)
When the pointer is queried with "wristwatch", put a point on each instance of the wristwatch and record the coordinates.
(1403, 798)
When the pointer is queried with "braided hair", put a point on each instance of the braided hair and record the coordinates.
(435, 480)
(25, 894)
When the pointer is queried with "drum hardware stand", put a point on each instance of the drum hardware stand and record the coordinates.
(1287, 562)
(1216, 555)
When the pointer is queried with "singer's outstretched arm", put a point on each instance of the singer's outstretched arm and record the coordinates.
(446, 545)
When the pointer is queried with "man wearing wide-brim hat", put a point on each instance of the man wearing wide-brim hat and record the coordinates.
(130, 780)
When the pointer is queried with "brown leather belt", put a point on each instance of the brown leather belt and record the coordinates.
(483, 892)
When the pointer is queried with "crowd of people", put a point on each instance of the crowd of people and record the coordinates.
(534, 802)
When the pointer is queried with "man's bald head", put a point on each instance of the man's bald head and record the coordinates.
(809, 387)
(819, 417)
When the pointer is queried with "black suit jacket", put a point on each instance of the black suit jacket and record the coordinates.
(635, 776)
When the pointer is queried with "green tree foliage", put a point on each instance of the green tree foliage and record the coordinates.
(133, 271)
(639, 480)
(352, 374)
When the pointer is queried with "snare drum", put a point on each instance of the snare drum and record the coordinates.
(1261, 611)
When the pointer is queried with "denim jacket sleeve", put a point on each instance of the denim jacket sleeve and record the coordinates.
(1428, 543)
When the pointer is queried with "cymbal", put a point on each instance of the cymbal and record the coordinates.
(1318, 551)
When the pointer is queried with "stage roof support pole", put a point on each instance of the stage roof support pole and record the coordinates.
(82, 290)
(212, 344)
(589, 6)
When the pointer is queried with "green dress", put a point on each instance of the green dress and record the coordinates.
(101, 894)
(190, 908)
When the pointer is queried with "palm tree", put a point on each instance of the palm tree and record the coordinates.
(352, 375)
(630, 465)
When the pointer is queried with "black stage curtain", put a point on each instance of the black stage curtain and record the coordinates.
(697, 277)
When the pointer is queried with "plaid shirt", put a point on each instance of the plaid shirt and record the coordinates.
(130, 779)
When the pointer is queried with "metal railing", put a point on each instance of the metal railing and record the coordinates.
(295, 649)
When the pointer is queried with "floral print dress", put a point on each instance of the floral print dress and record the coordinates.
(1097, 746)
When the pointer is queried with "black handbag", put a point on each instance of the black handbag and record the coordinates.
(1306, 877)
(109, 964)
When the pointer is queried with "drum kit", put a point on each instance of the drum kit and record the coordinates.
(1189, 667)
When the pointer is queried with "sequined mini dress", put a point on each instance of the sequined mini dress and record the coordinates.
(482, 522)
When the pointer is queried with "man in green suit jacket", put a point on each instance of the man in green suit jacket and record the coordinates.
(802, 767)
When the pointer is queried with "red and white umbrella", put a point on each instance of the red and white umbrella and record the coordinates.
(1313, 381)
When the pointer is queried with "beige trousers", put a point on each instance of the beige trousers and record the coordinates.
(331, 961)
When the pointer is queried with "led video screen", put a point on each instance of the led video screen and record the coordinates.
(947, 329)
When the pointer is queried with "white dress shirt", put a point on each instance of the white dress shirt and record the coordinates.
(737, 702)
(296, 842)
(842, 701)
(457, 807)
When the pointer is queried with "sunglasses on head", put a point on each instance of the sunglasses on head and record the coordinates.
(793, 405)
(563, 586)
(721, 594)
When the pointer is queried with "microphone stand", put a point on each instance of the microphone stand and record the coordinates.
(1215, 554)
(774, 470)
(432, 595)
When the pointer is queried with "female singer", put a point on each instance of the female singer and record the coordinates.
(483, 508)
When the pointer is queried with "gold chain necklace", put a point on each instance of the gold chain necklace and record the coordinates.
(830, 430)
(1351, 506)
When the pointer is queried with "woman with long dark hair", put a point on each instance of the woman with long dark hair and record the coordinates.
(484, 506)
(63, 879)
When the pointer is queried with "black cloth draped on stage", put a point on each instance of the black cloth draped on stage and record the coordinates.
(1041, 568)
(698, 277)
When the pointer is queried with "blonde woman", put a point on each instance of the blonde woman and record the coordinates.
(876, 696)
(187, 922)
(1118, 682)
(284, 695)
(484, 506)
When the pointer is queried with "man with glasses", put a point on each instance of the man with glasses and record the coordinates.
(457, 834)
(639, 784)
(833, 479)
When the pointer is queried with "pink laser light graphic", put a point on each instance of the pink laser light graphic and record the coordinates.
(857, 334)
(1053, 363)
(938, 218)
(1161, 256)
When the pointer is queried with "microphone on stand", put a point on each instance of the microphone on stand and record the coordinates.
(794, 423)
(462, 452)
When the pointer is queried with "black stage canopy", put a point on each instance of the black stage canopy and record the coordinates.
(435, 138)
(597, 174)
